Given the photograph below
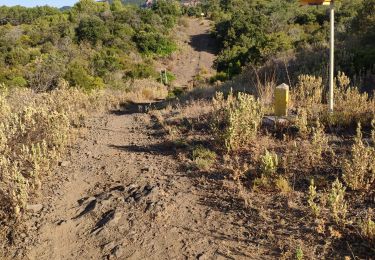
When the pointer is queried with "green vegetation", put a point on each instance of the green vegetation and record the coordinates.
(203, 158)
(282, 34)
(91, 45)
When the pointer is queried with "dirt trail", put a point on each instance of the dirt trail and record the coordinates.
(196, 55)
(122, 194)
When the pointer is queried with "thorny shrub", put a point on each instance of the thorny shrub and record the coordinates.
(236, 120)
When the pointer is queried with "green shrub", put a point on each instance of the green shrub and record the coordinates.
(78, 76)
(236, 120)
(18, 82)
(91, 29)
(203, 158)
(268, 164)
(153, 43)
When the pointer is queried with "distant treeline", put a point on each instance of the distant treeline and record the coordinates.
(91, 45)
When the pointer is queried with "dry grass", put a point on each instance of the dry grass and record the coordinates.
(270, 163)
(146, 90)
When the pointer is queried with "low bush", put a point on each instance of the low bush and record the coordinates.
(236, 120)
(337, 203)
(203, 158)
(359, 169)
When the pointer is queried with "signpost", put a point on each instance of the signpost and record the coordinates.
(331, 4)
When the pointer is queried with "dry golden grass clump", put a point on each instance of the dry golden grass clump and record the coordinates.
(147, 90)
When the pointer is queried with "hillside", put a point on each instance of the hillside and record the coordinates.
(154, 133)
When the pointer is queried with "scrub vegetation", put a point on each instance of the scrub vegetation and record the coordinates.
(284, 40)
(306, 184)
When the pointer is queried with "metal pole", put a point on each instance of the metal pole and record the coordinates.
(332, 54)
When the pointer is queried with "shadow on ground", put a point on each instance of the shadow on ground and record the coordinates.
(140, 107)
(203, 43)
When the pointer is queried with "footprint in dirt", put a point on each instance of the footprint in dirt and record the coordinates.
(114, 201)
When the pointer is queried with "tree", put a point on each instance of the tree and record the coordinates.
(92, 29)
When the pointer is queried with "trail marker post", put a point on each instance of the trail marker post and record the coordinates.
(331, 4)
(281, 100)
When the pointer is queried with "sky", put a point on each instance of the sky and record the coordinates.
(31, 3)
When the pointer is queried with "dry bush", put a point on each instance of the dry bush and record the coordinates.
(351, 106)
(373, 131)
(146, 90)
(337, 204)
(359, 169)
(318, 144)
(236, 120)
(308, 93)
(183, 22)
(301, 122)
(283, 185)
(261, 85)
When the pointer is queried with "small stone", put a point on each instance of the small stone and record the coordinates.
(117, 251)
(35, 207)
(64, 163)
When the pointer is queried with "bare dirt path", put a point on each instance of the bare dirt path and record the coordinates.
(196, 55)
(124, 196)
